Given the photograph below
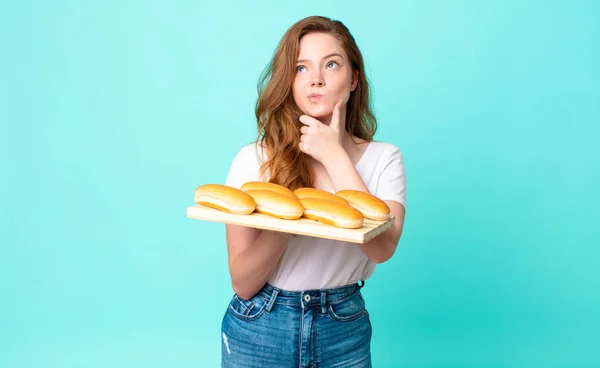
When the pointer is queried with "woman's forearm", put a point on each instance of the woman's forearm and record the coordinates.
(252, 268)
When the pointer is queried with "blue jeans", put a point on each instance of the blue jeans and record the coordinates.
(313, 328)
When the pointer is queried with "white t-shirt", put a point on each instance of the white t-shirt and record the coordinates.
(317, 263)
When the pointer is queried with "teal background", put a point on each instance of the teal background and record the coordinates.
(113, 112)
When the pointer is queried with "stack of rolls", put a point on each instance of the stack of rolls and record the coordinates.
(274, 200)
(224, 198)
(328, 208)
(369, 205)
(344, 209)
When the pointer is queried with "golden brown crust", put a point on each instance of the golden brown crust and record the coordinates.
(259, 185)
(224, 198)
(318, 193)
(332, 213)
(369, 205)
(276, 204)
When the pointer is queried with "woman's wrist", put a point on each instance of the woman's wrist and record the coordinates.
(335, 156)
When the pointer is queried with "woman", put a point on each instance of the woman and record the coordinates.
(297, 300)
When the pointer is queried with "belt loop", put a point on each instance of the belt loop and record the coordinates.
(323, 301)
(362, 283)
(272, 300)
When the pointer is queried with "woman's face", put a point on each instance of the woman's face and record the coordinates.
(323, 75)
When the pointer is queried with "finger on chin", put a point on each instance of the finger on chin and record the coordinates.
(305, 119)
(309, 120)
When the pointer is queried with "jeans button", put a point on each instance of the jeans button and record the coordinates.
(307, 298)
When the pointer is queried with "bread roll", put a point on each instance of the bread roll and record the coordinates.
(276, 204)
(259, 185)
(318, 193)
(224, 198)
(331, 213)
(369, 205)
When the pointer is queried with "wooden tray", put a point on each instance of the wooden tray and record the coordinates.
(302, 226)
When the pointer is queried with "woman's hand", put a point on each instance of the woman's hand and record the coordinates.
(319, 140)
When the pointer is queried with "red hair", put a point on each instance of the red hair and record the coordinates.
(278, 115)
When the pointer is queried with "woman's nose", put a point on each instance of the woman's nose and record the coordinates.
(317, 80)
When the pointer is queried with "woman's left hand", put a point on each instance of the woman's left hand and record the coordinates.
(319, 140)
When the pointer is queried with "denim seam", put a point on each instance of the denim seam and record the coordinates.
(300, 338)
(317, 356)
(271, 301)
(247, 317)
(346, 319)
(240, 302)
(342, 300)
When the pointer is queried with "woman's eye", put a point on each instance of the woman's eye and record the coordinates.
(331, 63)
(299, 68)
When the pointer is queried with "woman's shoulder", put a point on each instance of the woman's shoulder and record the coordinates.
(246, 165)
(253, 150)
(382, 150)
(384, 145)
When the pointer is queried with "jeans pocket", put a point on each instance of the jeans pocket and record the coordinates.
(348, 309)
(247, 310)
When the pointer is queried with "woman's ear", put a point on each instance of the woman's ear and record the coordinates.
(354, 80)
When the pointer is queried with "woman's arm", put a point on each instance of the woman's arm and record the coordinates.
(343, 175)
(253, 255)
(382, 247)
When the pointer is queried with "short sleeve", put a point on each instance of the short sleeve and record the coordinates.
(392, 180)
(244, 167)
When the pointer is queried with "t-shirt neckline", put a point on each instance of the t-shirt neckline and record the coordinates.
(363, 154)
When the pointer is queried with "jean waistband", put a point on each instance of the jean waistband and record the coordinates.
(304, 299)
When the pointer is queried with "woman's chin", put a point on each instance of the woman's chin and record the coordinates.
(317, 111)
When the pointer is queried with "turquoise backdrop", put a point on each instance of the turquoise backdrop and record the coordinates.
(112, 112)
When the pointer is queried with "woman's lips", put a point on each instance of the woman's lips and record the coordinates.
(315, 97)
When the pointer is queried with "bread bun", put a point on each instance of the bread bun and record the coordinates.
(369, 205)
(276, 204)
(224, 198)
(318, 193)
(259, 185)
(331, 213)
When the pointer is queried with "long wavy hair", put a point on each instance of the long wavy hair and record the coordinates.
(278, 115)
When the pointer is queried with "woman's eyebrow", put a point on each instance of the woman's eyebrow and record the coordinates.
(324, 57)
